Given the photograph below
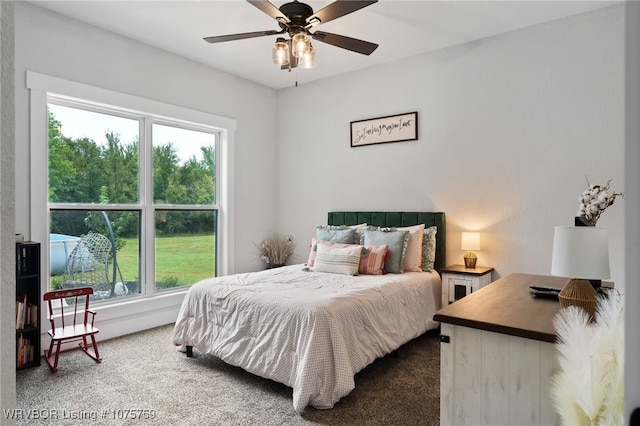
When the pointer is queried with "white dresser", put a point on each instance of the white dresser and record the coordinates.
(497, 355)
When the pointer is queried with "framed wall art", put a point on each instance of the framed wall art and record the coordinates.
(393, 128)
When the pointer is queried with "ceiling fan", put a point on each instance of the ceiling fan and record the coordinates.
(296, 19)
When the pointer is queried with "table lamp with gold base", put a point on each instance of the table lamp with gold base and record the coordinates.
(581, 253)
(470, 242)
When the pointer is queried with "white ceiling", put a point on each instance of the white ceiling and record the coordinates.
(401, 28)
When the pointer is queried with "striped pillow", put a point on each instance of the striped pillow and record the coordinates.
(338, 260)
(314, 249)
(372, 262)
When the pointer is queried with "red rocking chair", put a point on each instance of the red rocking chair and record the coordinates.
(71, 327)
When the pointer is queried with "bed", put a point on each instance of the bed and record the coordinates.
(313, 330)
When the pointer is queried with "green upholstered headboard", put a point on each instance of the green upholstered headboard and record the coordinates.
(398, 219)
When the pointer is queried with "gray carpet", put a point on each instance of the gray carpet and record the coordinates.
(145, 374)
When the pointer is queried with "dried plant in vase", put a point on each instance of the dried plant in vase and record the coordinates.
(594, 201)
(588, 386)
(276, 249)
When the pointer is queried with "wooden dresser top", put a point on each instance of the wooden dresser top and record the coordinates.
(506, 306)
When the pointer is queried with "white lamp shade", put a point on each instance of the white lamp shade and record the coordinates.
(470, 241)
(580, 252)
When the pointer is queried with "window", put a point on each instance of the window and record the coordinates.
(147, 184)
(146, 304)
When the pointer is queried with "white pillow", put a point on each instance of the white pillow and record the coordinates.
(413, 256)
(338, 260)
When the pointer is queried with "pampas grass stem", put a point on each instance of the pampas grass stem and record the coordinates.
(589, 386)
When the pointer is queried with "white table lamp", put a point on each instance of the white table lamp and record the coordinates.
(470, 242)
(580, 253)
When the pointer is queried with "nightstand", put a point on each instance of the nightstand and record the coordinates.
(458, 281)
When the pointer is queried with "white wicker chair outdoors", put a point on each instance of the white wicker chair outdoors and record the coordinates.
(88, 266)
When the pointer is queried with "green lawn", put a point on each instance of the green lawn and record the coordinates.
(180, 260)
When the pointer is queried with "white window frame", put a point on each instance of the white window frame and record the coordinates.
(152, 308)
(145, 205)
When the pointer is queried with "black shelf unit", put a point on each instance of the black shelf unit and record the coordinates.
(27, 304)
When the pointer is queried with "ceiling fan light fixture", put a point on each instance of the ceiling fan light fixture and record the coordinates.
(280, 52)
(300, 43)
(308, 59)
(295, 20)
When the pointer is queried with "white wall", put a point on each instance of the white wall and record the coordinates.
(49, 43)
(7, 213)
(508, 128)
(632, 205)
(54, 45)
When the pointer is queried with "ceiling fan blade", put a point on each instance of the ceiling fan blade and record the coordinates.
(339, 8)
(241, 36)
(353, 44)
(268, 8)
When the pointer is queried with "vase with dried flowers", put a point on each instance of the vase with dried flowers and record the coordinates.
(275, 250)
(593, 202)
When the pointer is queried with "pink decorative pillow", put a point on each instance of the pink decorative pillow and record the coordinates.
(371, 263)
(413, 256)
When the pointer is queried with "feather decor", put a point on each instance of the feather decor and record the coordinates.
(588, 388)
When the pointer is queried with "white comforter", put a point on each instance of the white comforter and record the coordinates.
(312, 331)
